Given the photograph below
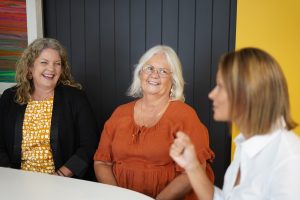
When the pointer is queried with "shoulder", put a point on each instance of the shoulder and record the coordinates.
(121, 112)
(292, 142)
(70, 91)
(124, 108)
(182, 113)
(9, 94)
(69, 94)
(180, 108)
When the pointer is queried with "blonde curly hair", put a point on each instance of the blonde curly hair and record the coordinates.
(24, 82)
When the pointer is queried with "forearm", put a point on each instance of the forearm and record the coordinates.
(104, 173)
(177, 189)
(4, 159)
(201, 184)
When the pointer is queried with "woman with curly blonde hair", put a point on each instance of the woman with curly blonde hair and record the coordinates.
(46, 96)
(24, 76)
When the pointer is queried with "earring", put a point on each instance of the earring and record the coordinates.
(172, 92)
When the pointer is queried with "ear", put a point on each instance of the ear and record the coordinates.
(29, 74)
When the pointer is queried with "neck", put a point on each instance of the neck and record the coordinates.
(42, 94)
(150, 101)
(150, 110)
(243, 131)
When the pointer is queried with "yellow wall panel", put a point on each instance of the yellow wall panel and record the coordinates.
(274, 25)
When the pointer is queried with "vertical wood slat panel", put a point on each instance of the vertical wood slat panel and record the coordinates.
(49, 10)
(137, 30)
(170, 23)
(105, 39)
(202, 59)
(107, 64)
(77, 41)
(186, 43)
(124, 69)
(153, 23)
(93, 84)
(220, 31)
(63, 25)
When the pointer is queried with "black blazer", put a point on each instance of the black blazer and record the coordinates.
(73, 132)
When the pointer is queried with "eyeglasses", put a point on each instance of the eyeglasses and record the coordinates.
(162, 72)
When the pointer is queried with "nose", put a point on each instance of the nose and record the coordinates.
(51, 66)
(211, 94)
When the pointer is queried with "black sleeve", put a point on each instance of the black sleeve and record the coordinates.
(86, 136)
(4, 104)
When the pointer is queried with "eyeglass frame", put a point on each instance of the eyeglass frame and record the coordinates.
(158, 70)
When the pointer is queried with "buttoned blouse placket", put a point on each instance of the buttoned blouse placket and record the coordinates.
(232, 176)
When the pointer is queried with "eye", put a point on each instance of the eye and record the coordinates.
(163, 71)
(148, 68)
(58, 63)
(43, 62)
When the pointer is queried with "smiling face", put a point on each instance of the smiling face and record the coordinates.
(221, 104)
(46, 69)
(154, 84)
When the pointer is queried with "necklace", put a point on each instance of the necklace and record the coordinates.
(150, 119)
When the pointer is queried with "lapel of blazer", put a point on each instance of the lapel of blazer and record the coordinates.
(54, 131)
(20, 111)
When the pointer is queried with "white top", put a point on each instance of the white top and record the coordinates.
(18, 184)
(269, 165)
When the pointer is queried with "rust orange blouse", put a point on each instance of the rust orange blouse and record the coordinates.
(140, 155)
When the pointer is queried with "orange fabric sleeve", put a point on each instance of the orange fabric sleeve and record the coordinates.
(198, 134)
(104, 150)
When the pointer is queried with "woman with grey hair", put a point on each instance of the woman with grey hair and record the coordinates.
(133, 150)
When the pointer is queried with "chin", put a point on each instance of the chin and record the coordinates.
(220, 118)
(217, 117)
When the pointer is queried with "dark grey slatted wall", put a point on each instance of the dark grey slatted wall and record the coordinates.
(105, 39)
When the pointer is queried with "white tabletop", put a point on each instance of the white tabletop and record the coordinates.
(18, 184)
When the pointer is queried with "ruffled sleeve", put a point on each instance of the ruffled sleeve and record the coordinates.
(104, 150)
(198, 134)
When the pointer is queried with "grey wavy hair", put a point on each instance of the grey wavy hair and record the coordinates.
(176, 93)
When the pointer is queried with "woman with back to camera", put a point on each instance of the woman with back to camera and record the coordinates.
(46, 123)
(134, 148)
(252, 92)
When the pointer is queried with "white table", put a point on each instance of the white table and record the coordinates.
(23, 185)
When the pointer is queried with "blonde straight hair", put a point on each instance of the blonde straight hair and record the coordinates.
(257, 90)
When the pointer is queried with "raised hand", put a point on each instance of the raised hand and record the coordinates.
(183, 152)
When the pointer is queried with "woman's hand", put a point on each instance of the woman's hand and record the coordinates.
(183, 152)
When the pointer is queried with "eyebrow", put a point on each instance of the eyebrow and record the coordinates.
(48, 60)
(159, 67)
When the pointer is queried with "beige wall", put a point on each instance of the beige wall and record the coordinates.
(274, 25)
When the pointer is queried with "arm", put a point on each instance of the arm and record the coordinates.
(4, 158)
(64, 171)
(84, 133)
(177, 189)
(104, 173)
(103, 161)
(183, 153)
